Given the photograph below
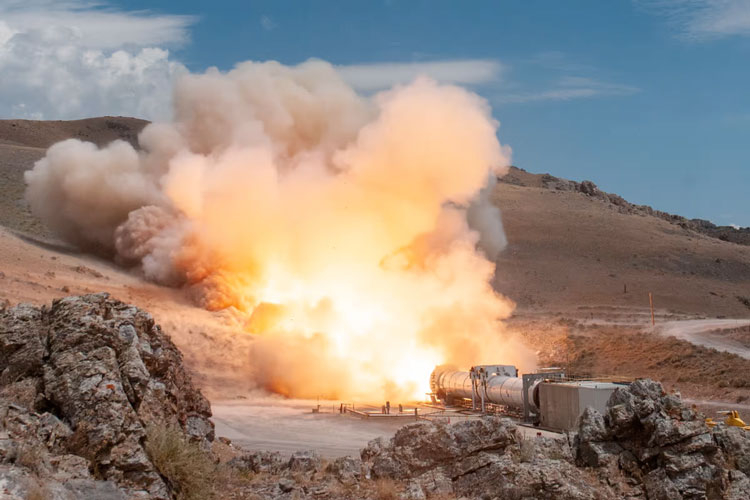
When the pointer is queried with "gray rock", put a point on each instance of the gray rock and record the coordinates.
(108, 372)
(629, 463)
(678, 462)
(70, 467)
(18, 484)
(666, 445)
(421, 446)
(435, 483)
(703, 442)
(698, 481)
(94, 490)
(735, 443)
(591, 426)
(8, 450)
(286, 485)
(347, 470)
(304, 461)
(21, 348)
(260, 461)
(413, 491)
(504, 478)
(739, 486)
(668, 431)
(599, 454)
(659, 486)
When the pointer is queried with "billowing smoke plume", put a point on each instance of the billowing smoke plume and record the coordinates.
(354, 235)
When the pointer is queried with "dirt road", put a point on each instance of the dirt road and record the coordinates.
(698, 331)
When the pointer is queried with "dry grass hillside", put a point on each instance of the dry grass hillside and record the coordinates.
(568, 249)
(42, 134)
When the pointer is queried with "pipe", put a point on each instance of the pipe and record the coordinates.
(450, 384)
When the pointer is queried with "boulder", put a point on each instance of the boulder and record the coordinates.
(269, 462)
(81, 381)
(418, 447)
(304, 461)
(479, 458)
(347, 470)
(650, 437)
(735, 444)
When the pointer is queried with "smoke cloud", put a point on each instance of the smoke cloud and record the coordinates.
(354, 236)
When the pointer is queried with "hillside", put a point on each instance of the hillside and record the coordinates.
(570, 245)
(519, 177)
(571, 248)
(42, 134)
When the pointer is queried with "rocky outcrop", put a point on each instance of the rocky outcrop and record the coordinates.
(651, 439)
(80, 382)
(480, 458)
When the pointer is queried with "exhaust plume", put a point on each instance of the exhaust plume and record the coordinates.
(354, 236)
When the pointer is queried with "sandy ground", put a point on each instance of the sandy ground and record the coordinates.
(290, 425)
(721, 406)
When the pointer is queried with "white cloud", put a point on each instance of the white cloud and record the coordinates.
(95, 24)
(568, 88)
(66, 59)
(267, 23)
(378, 76)
(70, 59)
(703, 19)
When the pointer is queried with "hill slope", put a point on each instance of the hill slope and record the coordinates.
(569, 249)
(570, 245)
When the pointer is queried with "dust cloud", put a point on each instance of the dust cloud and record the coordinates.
(352, 235)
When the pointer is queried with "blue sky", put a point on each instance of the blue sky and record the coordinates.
(647, 98)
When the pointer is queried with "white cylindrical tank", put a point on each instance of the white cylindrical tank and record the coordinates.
(450, 384)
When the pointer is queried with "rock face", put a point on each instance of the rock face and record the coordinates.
(79, 383)
(652, 440)
(481, 458)
(477, 459)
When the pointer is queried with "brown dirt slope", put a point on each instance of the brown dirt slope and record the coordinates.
(519, 177)
(43, 134)
(568, 250)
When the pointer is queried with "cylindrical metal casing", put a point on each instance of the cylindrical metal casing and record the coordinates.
(506, 391)
(458, 383)
(451, 384)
